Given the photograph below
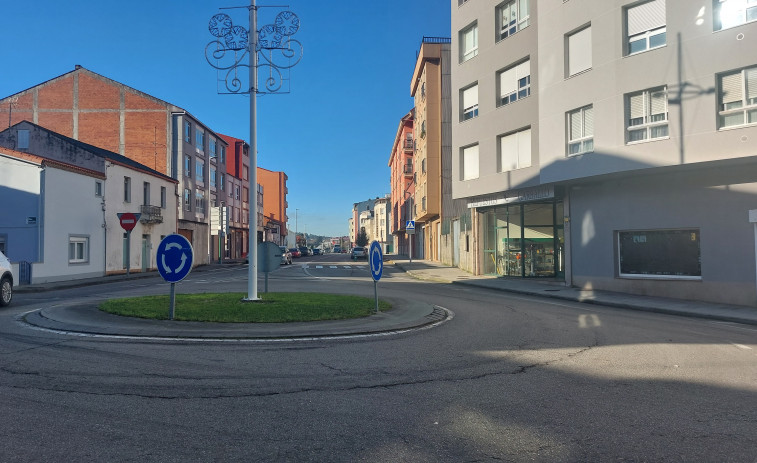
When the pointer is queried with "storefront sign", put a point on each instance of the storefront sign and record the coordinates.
(530, 194)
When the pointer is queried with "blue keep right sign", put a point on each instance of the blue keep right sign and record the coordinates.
(174, 258)
(376, 258)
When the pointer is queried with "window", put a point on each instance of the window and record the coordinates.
(245, 194)
(581, 131)
(199, 201)
(200, 171)
(223, 154)
(187, 132)
(737, 99)
(511, 17)
(423, 129)
(127, 189)
(579, 51)
(469, 98)
(212, 176)
(514, 83)
(23, 139)
(647, 114)
(98, 188)
(659, 254)
(246, 171)
(236, 191)
(146, 193)
(469, 163)
(212, 144)
(515, 150)
(163, 198)
(200, 139)
(78, 249)
(469, 42)
(730, 13)
(645, 26)
(188, 166)
(222, 181)
(187, 199)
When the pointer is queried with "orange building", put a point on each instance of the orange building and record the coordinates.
(274, 185)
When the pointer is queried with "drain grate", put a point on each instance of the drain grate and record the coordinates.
(437, 315)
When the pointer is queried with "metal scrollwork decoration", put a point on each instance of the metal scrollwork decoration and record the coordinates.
(277, 50)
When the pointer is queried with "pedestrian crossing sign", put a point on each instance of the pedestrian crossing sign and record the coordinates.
(410, 225)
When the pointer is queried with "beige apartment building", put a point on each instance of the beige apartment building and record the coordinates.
(609, 144)
(433, 208)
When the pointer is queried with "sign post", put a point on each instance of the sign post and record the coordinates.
(376, 258)
(269, 258)
(175, 258)
(128, 222)
(410, 230)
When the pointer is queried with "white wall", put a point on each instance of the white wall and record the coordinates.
(70, 208)
(114, 204)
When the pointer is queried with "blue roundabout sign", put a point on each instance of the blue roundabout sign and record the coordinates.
(174, 258)
(376, 258)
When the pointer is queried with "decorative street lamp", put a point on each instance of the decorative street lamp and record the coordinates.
(279, 52)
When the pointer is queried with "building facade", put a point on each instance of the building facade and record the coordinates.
(275, 204)
(91, 108)
(107, 185)
(583, 166)
(434, 209)
(401, 183)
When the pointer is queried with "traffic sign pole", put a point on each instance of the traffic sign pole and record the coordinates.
(376, 259)
(172, 305)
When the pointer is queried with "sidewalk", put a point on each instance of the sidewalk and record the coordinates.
(434, 271)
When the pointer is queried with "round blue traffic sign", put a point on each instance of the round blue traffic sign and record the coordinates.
(175, 257)
(376, 258)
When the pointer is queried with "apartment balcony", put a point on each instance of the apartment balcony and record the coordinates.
(150, 214)
(409, 145)
(408, 170)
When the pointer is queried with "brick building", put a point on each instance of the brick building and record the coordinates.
(99, 111)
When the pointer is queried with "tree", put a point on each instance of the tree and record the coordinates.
(362, 238)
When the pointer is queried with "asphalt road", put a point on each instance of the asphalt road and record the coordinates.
(509, 378)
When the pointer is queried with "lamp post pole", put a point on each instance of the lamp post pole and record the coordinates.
(226, 54)
(252, 272)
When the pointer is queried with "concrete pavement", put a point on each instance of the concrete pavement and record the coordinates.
(434, 271)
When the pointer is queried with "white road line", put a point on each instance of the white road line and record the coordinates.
(347, 266)
(741, 346)
(333, 266)
(319, 266)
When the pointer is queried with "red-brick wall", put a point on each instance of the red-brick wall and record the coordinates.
(145, 134)
(100, 129)
(96, 93)
(59, 95)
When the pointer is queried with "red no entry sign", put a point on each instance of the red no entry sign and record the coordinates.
(128, 220)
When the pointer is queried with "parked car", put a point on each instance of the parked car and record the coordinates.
(6, 280)
(359, 253)
(305, 251)
(337, 249)
(295, 252)
(286, 256)
(316, 252)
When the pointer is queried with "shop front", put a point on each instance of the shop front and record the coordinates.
(523, 239)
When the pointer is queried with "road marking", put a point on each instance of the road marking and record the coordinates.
(741, 346)
(347, 266)
(319, 266)
(333, 266)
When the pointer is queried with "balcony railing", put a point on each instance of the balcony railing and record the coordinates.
(150, 214)
(408, 170)
(408, 145)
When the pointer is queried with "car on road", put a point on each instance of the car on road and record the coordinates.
(305, 251)
(286, 256)
(337, 249)
(359, 253)
(316, 252)
(295, 252)
(6, 280)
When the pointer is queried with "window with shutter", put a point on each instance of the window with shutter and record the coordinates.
(646, 26)
(579, 51)
(580, 130)
(738, 98)
(647, 114)
(515, 150)
(470, 163)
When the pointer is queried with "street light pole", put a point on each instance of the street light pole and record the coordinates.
(226, 54)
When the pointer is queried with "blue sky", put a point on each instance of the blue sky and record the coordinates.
(332, 134)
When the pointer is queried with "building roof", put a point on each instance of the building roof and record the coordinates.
(103, 153)
(41, 161)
